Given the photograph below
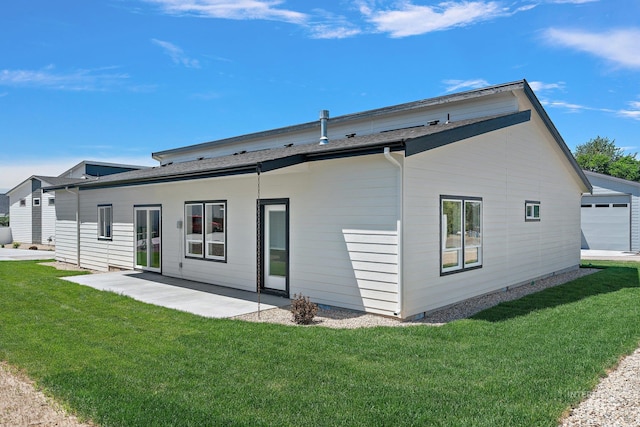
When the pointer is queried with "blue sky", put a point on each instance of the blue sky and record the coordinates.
(115, 80)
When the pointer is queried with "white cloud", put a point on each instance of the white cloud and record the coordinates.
(176, 54)
(76, 80)
(411, 20)
(456, 85)
(572, 1)
(541, 86)
(620, 46)
(232, 9)
(633, 112)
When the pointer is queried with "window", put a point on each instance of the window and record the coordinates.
(205, 232)
(36, 202)
(52, 202)
(531, 211)
(461, 234)
(23, 202)
(105, 221)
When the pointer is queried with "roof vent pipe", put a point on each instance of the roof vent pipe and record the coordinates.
(324, 116)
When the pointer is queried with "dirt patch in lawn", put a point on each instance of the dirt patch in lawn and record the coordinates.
(21, 404)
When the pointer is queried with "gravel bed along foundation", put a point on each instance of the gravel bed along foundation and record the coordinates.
(349, 319)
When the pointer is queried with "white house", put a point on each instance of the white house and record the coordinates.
(611, 215)
(32, 212)
(396, 211)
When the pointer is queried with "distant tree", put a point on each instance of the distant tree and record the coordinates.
(602, 156)
(598, 154)
(627, 167)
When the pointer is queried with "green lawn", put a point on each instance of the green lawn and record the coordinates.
(125, 363)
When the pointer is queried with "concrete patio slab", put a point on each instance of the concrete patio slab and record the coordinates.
(7, 254)
(179, 294)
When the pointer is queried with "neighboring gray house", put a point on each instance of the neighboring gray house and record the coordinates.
(611, 215)
(4, 205)
(32, 211)
(396, 211)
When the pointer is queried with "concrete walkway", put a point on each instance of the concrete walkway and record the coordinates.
(7, 254)
(179, 294)
(594, 254)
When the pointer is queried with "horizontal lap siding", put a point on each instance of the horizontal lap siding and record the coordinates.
(344, 242)
(20, 216)
(66, 241)
(604, 185)
(48, 219)
(505, 168)
(66, 227)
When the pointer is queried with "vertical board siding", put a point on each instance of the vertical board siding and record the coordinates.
(504, 168)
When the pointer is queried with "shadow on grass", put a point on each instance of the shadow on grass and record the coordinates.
(610, 279)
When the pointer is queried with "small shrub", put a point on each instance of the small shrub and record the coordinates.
(303, 309)
(33, 248)
(16, 245)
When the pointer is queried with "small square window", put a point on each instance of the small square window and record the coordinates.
(23, 202)
(52, 202)
(36, 202)
(532, 211)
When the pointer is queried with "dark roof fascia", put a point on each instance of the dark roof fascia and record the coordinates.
(556, 135)
(429, 142)
(171, 178)
(471, 94)
(314, 152)
(262, 166)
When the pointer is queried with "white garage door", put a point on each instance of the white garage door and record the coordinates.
(606, 223)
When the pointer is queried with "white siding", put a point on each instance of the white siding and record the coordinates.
(504, 168)
(20, 216)
(66, 227)
(343, 235)
(48, 218)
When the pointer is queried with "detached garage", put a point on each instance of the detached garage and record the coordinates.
(610, 214)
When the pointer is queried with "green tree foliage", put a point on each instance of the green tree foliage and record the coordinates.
(602, 156)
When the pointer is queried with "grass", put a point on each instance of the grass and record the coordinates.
(124, 363)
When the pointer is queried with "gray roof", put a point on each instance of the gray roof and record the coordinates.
(455, 97)
(412, 141)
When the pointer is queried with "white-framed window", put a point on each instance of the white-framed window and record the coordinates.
(36, 201)
(461, 233)
(105, 222)
(531, 210)
(205, 230)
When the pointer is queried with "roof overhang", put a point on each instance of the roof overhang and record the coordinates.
(411, 141)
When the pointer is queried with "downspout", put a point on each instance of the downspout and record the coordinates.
(389, 157)
(77, 193)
